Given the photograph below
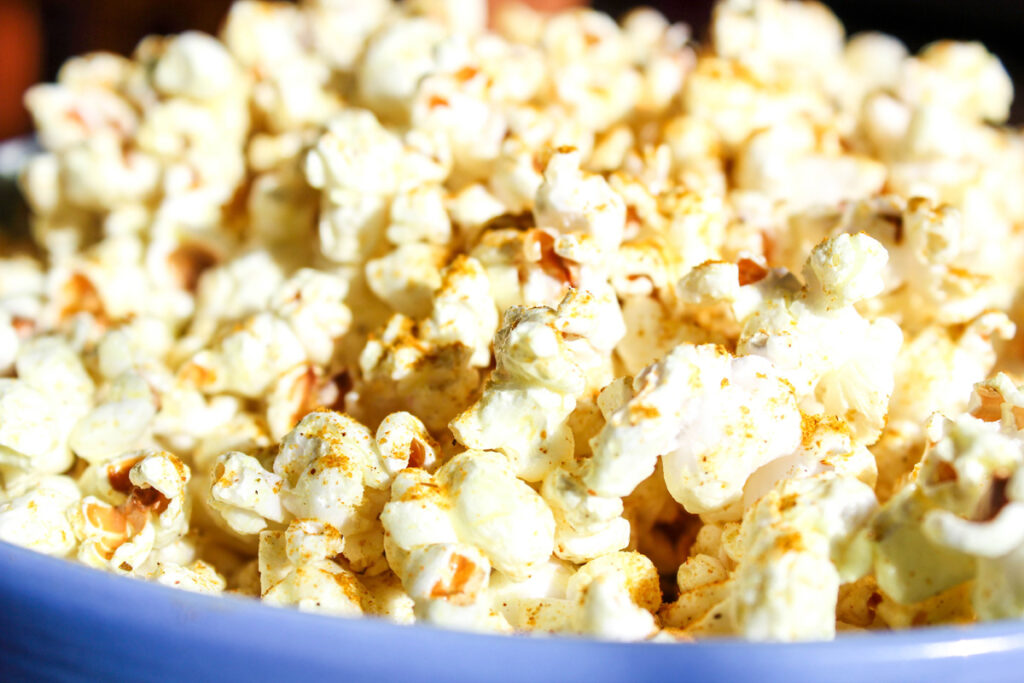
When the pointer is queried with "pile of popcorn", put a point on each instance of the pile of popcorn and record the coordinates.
(528, 323)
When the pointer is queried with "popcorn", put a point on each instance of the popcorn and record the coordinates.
(778, 39)
(360, 164)
(395, 61)
(963, 502)
(463, 310)
(325, 464)
(137, 505)
(195, 66)
(835, 378)
(616, 594)
(247, 359)
(502, 330)
(198, 577)
(313, 304)
(245, 494)
(296, 568)
(402, 373)
(36, 519)
(540, 372)
(589, 206)
(812, 175)
(30, 430)
(963, 77)
(406, 277)
(795, 555)
(445, 531)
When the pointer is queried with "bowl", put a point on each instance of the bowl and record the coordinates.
(63, 621)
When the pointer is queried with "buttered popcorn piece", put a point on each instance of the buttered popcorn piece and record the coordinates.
(542, 358)
(297, 568)
(603, 308)
(965, 500)
(474, 498)
(37, 519)
(800, 542)
(247, 358)
(708, 414)
(136, 504)
(245, 494)
(809, 333)
(198, 577)
(38, 409)
(445, 532)
(570, 201)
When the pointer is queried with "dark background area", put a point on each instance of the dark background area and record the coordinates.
(36, 36)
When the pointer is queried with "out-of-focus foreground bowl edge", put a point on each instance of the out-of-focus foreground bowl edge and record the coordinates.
(64, 621)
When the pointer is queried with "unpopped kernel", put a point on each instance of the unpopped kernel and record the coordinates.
(558, 326)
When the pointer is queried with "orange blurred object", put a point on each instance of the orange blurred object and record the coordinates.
(20, 52)
(545, 5)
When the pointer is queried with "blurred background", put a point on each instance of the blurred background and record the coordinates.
(36, 36)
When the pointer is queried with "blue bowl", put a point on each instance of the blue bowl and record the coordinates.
(62, 621)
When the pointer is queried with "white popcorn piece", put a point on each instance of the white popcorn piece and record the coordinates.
(293, 395)
(31, 430)
(359, 164)
(498, 514)
(325, 464)
(37, 520)
(407, 277)
(112, 428)
(813, 176)
(401, 371)
(736, 102)
(463, 310)
(703, 585)
(932, 275)
(569, 201)
(686, 407)
(839, 363)
(234, 289)
(139, 506)
(776, 38)
(419, 215)
(799, 545)
(587, 525)
(395, 61)
(963, 77)
(966, 503)
(543, 357)
(453, 109)
(245, 494)
(313, 304)
(262, 33)
(195, 65)
(68, 114)
(342, 27)
(198, 577)
(297, 568)
(617, 595)
(589, 61)
(476, 499)
(247, 359)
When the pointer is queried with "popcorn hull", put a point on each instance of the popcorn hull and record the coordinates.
(61, 621)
